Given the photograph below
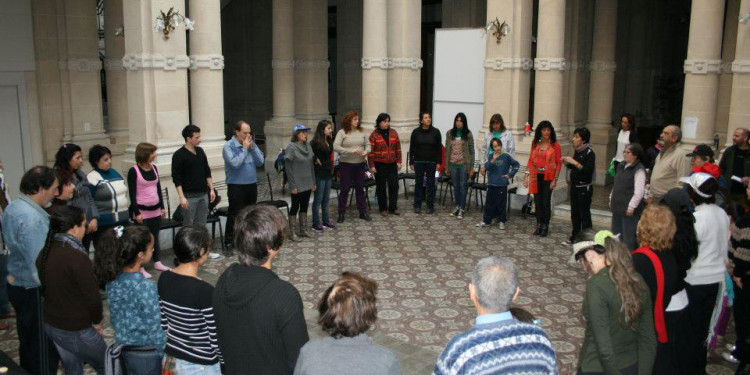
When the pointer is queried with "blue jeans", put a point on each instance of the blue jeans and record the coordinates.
(460, 181)
(77, 347)
(322, 197)
(496, 203)
(626, 226)
(188, 368)
(143, 362)
(420, 170)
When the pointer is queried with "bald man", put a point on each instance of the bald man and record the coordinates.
(736, 162)
(670, 164)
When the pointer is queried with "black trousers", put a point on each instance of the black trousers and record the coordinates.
(543, 199)
(698, 316)
(300, 201)
(31, 336)
(668, 355)
(386, 186)
(154, 226)
(240, 196)
(741, 321)
(580, 208)
(422, 171)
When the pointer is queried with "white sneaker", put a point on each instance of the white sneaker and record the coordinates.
(455, 212)
(729, 358)
(730, 347)
(502, 225)
(214, 255)
(482, 224)
(460, 214)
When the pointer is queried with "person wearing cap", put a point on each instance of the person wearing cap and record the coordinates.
(670, 165)
(656, 263)
(299, 161)
(626, 198)
(736, 163)
(352, 145)
(706, 275)
(619, 336)
(241, 157)
(702, 161)
(385, 162)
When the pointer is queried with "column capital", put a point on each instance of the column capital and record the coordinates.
(549, 63)
(163, 62)
(603, 66)
(375, 62)
(212, 62)
(282, 64)
(702, 66)
(740, 67)
(312, 64)
(80, 65)
(509, 63)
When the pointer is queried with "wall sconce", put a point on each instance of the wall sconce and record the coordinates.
(119, 31)
(499, 30)
(166, 23)
(744, 17)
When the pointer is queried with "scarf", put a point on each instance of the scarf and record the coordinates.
(583, 147)
(69, 239)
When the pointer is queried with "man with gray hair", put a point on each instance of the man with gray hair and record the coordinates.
(498, 343)
(670, 165)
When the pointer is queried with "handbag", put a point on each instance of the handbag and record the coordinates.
(612, 170)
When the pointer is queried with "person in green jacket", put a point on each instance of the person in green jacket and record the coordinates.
(619, 336)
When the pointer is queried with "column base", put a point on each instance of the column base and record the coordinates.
(278, 133)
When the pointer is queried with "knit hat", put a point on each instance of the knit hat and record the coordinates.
(695, 181)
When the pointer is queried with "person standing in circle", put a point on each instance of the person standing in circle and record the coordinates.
(300, 170)
(544, 170)
(425, 157)
(459, 154)
(385, 162)
(322, 145)
(353, 146)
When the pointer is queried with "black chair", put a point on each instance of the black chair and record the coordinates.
(168, 222)
(444, 185)
(214, 218)
(477, 188)
(278, 203)
(403, 176)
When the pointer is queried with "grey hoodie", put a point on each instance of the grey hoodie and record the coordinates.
(300, 166)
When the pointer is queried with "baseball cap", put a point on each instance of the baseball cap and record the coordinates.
(702, 150)
(695, 181)
(299, 128)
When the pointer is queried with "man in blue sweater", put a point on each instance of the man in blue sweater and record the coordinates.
(498, 343)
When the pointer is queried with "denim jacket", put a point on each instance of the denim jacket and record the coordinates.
(134, 311)
(25, 227)
(240, 163)
(504, 165)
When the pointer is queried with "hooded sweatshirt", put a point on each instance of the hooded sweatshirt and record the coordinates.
(299, 161)
(259, 320)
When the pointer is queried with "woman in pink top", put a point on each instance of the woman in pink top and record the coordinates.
(146, 205)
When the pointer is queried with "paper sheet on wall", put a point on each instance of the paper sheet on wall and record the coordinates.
(690, 127)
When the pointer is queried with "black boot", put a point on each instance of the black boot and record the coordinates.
(545, 230)
(341, 218)
(538, 230)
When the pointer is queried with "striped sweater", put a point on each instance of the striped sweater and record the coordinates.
(384, 152)
(110, 192)
(187, 318)
(501, 347)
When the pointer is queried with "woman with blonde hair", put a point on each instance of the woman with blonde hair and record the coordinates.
(619, 336)
(656, 263)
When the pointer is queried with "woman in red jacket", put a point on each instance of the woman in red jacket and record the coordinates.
(543, 171)
(385, 162)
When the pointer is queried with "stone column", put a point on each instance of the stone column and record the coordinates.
(702, 68)
(739, 111)
(729, 44)
(206, 80)
(311, 61)
(157, 82)
(277, 130)
(117, 88)
(404, 52)
(601, 86)
(374, 60)
(82, 68)
(549, 63)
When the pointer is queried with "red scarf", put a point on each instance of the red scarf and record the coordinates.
(661, 327)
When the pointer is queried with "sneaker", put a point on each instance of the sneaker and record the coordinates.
(502, 225)
(729, 358)
(482, 224)
(455, 212)
(317, 228)
(329, 225)
(567, 242)
(161, 267)
(213, 255)
(145, 273)
(730, 347)
(460, 214)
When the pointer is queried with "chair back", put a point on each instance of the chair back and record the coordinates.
(165, 198)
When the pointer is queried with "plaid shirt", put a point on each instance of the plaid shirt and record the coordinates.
(381, 152)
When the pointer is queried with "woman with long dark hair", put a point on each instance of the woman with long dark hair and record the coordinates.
(425, 157)
(619, 336)
(133, 300)
(300, 172)
(626, 197)
(385, 162)
(353, 146)
(70, 159)
(625, 136)
(72, 304)
(146, 203)
(543, 171)
(322, 145)
(459, 155)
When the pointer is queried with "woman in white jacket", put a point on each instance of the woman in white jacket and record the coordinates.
(497, 129)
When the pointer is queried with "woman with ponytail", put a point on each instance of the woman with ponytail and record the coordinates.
(72, 305)
(187, 314)
(619, 336)
(70, 159)
(133, 300)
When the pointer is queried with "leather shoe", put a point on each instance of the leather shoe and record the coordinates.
(395, 213)
(384, 213)
(538, 230)
(545, 230)
(341, 218)
(365, 216)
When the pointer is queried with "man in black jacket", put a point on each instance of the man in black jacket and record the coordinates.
(581, 166)
(736, 162)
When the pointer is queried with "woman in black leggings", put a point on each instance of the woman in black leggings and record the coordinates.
(300, 173)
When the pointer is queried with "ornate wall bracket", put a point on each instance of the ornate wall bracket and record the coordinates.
(702, 66)
(550, 63)
(211, 62)
(741, 66)
(156, 62)
(509, 63)
(414, 63)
